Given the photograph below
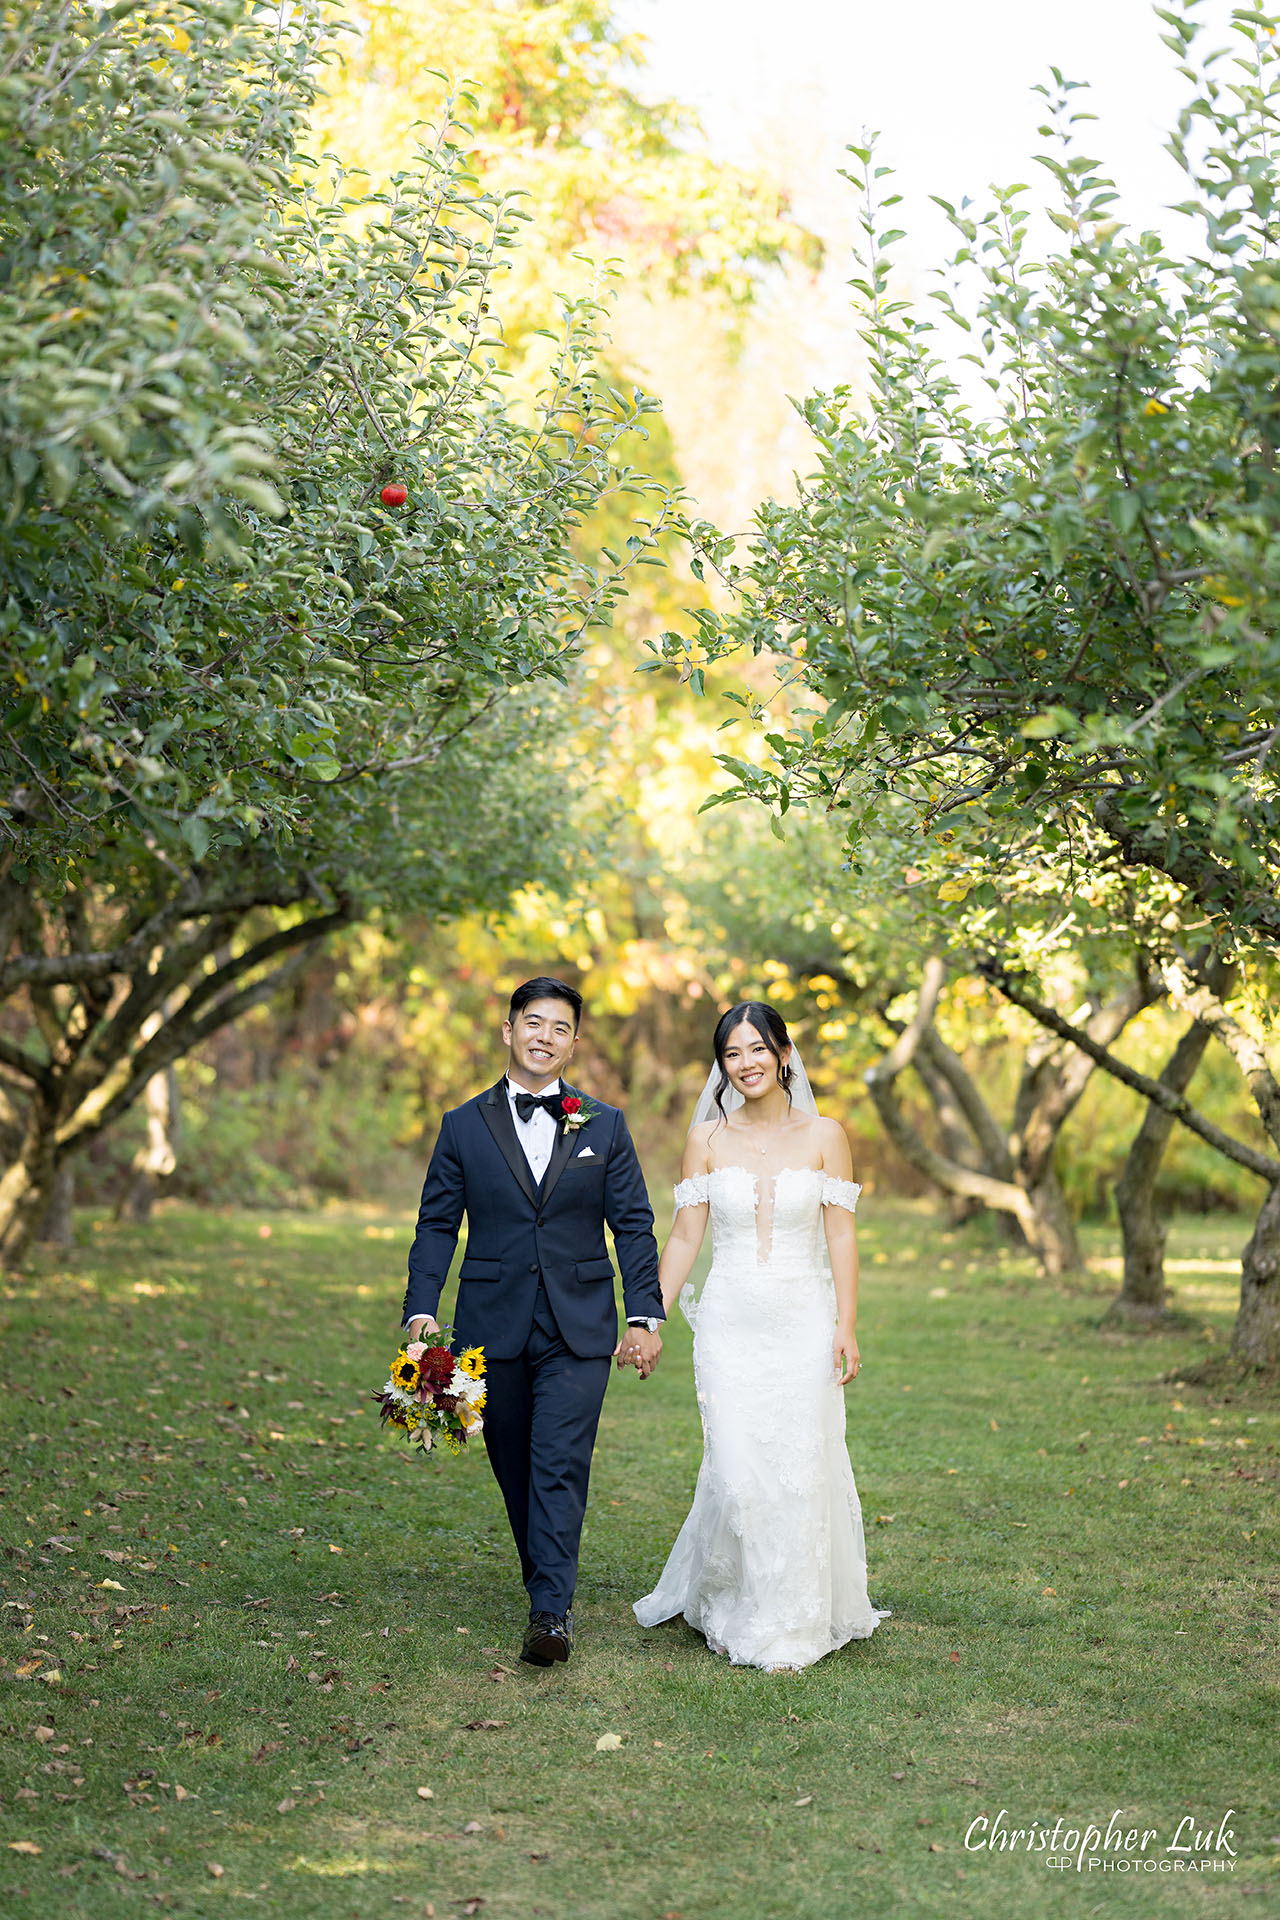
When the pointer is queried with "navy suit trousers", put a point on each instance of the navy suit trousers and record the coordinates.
(541, 1413)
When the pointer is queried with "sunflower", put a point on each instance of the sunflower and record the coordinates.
(404, 1372)
(472, 1362)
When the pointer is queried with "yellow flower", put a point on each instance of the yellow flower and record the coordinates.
(404, 1372)
(472, 1362)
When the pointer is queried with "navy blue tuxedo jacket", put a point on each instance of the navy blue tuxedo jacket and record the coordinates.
(517, 1230)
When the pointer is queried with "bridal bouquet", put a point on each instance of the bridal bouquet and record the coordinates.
(429, 1393)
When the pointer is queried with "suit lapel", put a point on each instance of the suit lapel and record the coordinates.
(497, 1115)
(561, 1153)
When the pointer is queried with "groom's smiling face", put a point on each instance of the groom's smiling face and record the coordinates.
(541, 1040)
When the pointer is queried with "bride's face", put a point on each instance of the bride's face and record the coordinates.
(750, 1063)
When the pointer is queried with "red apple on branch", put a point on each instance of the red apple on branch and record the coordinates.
(394, 495)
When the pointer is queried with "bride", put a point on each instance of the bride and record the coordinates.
(770, 1565)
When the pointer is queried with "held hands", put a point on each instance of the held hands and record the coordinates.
(640, 1349)
(848, 1361)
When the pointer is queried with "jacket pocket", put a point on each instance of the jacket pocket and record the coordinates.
(480, 1270)
(587, 1270)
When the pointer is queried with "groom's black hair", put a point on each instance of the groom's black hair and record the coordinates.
(545, 988)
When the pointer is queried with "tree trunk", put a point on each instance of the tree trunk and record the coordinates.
(957, 1141)
(27, 1184)
(1055, 1240)
(1256, 1338)
(57, 1223)
(1143, 1295)
(157, 1158)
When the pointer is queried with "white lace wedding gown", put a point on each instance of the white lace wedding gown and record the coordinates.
(770, 1565)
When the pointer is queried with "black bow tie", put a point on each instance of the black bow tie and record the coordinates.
(527, 1104)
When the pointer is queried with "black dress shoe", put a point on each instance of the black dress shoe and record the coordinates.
(548, 1638)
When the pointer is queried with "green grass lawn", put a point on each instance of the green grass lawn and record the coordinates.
(242, 1630)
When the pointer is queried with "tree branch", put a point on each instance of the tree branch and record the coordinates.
(1004, 1195)
(180, 1035)
(1174, 1103)
(35, 1072)
(986, 1129)
(1197, 997)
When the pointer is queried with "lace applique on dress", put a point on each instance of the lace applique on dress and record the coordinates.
(693, 1192)
(770, 1565)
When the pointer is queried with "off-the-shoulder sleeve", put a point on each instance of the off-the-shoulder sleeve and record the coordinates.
(840, 1193)
(692, 1192)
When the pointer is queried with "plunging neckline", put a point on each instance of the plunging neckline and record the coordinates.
(764, 1213)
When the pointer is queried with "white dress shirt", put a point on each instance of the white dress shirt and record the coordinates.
(537, 1134)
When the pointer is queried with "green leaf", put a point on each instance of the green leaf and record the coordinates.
(195, 831)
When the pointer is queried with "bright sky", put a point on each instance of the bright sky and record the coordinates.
(947, 83)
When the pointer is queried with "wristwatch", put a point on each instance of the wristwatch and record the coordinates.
(646, 1321)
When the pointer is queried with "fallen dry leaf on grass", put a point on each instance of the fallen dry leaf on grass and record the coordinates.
(43, 1734)
(285, 1806)
(23, 1846)
(608, 1743)
(25, 1668)
(212, 1868)
(111, 1586)
(52, 1677)
(426, 1793)
(805, 1800)
(473, 1826)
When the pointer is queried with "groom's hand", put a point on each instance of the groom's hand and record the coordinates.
(640, 1349)
(420, 1324)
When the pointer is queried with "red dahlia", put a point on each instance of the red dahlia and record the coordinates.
(435, 1368)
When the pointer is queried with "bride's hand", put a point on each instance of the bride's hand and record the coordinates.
(847, 1359)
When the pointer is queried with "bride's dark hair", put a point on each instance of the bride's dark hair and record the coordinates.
(771, 1027)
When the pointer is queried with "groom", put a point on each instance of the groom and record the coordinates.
(537, 1181)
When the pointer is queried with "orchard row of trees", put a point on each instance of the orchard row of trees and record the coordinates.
(292, 588)
(1032, 641)
(321, 510)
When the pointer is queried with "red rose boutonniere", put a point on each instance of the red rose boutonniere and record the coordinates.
(575, 1112)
